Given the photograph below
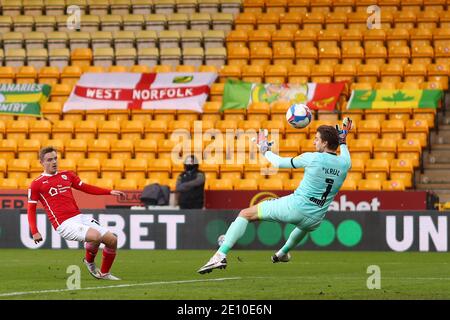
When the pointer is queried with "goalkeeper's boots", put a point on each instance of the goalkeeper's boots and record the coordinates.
(91, 268)
(283, 258)
(216, 262)
(106, 276)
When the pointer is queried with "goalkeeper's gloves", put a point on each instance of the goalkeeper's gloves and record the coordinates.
(263, 144)
(347, 126)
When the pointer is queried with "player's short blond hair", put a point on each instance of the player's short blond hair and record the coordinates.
(46, 150)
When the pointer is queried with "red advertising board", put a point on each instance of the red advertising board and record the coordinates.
(344, 201)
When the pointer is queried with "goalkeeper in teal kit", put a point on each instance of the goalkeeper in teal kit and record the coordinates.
(325, 172)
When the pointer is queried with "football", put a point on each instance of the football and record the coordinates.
(299, 116)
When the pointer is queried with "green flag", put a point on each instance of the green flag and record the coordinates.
(236, 94)
(23, 99)
(384, 99)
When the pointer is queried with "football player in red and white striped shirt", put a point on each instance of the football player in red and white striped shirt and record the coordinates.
(53, 189)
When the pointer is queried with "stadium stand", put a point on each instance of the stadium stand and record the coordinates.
(258, 41)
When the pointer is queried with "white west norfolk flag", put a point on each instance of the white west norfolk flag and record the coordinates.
(171, 90)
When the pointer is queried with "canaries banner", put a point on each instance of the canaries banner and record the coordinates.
(384, 99)
(23, 99)
(318, 96)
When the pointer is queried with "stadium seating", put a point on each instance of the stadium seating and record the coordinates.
(265, 41)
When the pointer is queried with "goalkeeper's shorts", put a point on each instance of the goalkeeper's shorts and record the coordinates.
(288, 210)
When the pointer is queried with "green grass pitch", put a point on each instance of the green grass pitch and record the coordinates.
(41, 274)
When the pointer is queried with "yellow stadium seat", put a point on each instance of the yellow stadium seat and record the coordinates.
(17, 129)
(409, 149)
(125, 184)
(357, 169)
(9, 184)
(374, 37)
(231, 171)
(393, 185)
(26, 74)
(81, 57)
(258, 111)
(352, 56)
(261, 56)
(56, 143)
(141, 114)
(349, 184)
(275, 74)
(179, 125)
(28, 149)
(361, 148)
(98, 149)
(238, 56)
(63, 130)
(75, 148)
(322, 73)
(35, 168)
(422, 54)
(290, 21)
(438, 73)
(155, 129)
(392, 129)
(85, 129)
(24, 184)
(258, 38)
(336, 20)
(384, 148)
(229, 71)
(270, 184)
(402, 169)
(131, 129)
(40, 130)
(108, 130)
(376, 55)
(282, 38)
(7, 74)
(417, 125)
(306, 55)
(48, 75)
(253, 73)
(358, 20)
(201, 21)
(135, 169)
(399, 55)
(290, 184)
(351, 38)
(220, 184)
(122, 149)
(245, 21)
(145, 149)
(369, 185)
(299, 74)
(88, 168)
(368, 129)
(368, 73)
(428, 18)
(397, 36)
(156, 21)
(18, 168)
(120, 7)
(246, 184)
(106, 183)
(159, 168)
(166, 149)
(268, 21)
(316, 124)
(118, 115)
(112, 168)
(415, 73)
(307, 145)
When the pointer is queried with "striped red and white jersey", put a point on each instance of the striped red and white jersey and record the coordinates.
(55, 194)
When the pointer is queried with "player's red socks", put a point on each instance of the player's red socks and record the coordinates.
(108, 258)
(91, 251)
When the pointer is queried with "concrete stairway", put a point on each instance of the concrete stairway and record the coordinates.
(436, 174)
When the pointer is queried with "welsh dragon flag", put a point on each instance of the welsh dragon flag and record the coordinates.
(384, 99)
(239, 94)
(171, 90)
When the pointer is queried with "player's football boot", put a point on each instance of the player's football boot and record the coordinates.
(284, 258)
(216, 262)
(91, 268)
(106, 276)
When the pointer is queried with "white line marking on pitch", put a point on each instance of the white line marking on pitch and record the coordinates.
(10, 294)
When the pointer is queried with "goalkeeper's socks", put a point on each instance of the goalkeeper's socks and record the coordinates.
(108, 258)
(295, 237)
(234, 233)
(91, 251)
